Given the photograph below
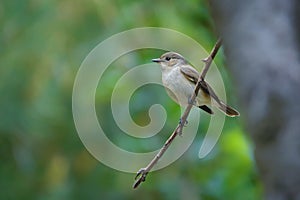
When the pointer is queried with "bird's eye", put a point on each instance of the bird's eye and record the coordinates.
(168, 58)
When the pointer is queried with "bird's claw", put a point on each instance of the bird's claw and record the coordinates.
(181, 123)
(190, 101)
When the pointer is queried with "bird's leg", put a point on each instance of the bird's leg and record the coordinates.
(181, 123)
(190, 101)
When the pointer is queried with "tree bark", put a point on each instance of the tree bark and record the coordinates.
(261, 44)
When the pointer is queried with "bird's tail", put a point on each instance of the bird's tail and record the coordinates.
(229, 111)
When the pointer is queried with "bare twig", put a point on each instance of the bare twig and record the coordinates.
(142, 173)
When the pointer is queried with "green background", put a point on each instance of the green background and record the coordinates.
(42, 45)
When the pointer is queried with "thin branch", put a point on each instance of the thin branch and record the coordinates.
(210, 58)
(142, 173)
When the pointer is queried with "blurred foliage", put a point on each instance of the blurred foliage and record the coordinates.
(42, 45)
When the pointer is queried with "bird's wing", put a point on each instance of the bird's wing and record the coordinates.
(192, 75)
(208, 90)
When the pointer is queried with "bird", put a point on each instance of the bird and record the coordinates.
(179, 79)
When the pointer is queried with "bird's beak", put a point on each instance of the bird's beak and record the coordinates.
(157, 60)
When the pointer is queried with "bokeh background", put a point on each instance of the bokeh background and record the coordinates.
(42, 45)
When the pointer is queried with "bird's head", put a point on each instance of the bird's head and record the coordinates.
(170, 60)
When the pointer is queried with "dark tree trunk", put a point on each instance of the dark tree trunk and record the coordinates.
(261, 42)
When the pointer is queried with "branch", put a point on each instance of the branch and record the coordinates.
(142, 173)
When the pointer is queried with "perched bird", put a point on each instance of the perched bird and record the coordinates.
(179, 78)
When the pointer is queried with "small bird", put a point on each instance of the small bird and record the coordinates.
(179, 78)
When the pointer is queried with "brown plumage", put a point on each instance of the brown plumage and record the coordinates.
(180, 80)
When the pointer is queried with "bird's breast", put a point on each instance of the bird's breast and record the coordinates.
(177, 86)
